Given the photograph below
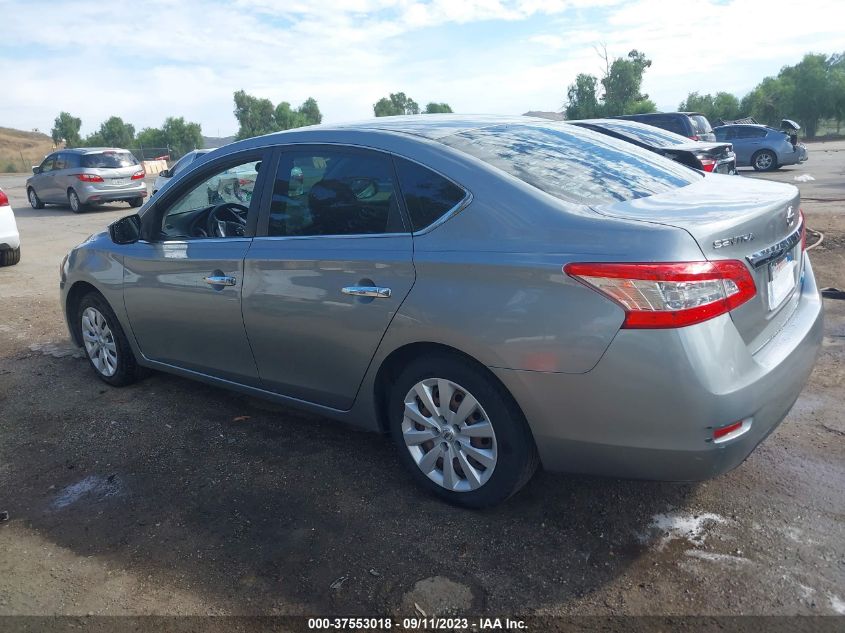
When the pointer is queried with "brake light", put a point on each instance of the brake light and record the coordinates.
(139, 174)
(4, 199)
(669, 295)
(707, 164)
(89, 177)
(803, 230)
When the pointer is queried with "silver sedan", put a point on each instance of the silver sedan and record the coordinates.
(495, 293)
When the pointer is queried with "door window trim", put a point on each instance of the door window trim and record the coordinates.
(153, 216)
(264, 217)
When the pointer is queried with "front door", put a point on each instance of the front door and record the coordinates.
(44, 183)
(327, 272)
(183, 283)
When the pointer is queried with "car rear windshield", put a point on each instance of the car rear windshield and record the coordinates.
(109, 160)
(573, 164)
(647, 134)
(702, 125)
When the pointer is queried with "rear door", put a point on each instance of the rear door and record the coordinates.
(748, 140)
(327, 273)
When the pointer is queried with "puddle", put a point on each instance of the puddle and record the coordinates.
(690, 527)
(93, 486)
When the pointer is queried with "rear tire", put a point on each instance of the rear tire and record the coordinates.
(10, 257)
(136, 202)
(476, 461)
(73, 200)
(764, 160)
(105, 344)
(34, 201)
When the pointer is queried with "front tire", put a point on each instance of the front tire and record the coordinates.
(106, 346)
(459, 433)
(73, 200)
(764, 160)
(34, 201)
(10, 257)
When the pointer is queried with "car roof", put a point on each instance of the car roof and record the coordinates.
(430, 126)
(766, 127)
(91, 150)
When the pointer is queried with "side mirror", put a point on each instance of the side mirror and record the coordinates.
(126, 230)
(36, 169)
(165, 173)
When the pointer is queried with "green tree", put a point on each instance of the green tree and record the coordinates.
(725, 106)
(287, 118)
(151, 138)
(582, 101)
(66, 128)
(255, 116)
(837, 89)
(438, 108)
(395, 105)
(112, 133)
(622, 84)
(181, 136)
(310, 112)
(811, 97)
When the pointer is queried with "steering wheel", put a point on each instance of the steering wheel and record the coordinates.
(225, 221)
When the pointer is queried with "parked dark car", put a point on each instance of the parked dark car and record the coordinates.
(761, 147)
(693, 125)
(710, 157)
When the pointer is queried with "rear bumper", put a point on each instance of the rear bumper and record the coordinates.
(648, 409)
(92, 194)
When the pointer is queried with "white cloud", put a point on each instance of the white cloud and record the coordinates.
(187, 58)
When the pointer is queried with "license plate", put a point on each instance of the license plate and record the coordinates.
(781, 280)
(119, 181)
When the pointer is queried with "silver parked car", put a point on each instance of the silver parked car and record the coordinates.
(761, 147)
(87, 175)
(493, 292)
(181, 165)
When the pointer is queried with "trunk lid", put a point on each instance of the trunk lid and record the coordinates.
(754, 221)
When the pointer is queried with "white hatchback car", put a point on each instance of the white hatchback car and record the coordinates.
(10, 239)
(181, 165)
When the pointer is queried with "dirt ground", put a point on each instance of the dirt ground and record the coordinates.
(171, 497)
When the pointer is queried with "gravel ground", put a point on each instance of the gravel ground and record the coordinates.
(171, 497)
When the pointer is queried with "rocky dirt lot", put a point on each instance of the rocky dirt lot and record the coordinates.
(171, 497)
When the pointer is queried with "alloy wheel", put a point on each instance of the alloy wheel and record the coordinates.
(33, 199)
(448, 435)
(764, 161)
(74, 202)
(99, 341)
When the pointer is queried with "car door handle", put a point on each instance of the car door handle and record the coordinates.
(367, 291)
(219, 280)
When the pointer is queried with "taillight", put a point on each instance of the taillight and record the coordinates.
(803, 230)
(707, 164)
(4, 199)
(138, 175)
(89, 177)
(669, 295)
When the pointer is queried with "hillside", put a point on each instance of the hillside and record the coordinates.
(20, 150)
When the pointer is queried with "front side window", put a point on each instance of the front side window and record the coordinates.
(428, 196)
(334, 192)
(573, 164)
(48, 164)
(109, 160)
(216, 207)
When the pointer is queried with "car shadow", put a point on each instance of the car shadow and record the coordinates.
(262, 509)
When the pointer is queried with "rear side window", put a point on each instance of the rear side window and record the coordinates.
(701, 124)
(750, 132)
(334, 192)
(673, 124)
(109, 160)
(648, 134)
(428, 196)
(573, 164)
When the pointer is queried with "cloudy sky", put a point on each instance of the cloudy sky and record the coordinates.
(147, 60)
